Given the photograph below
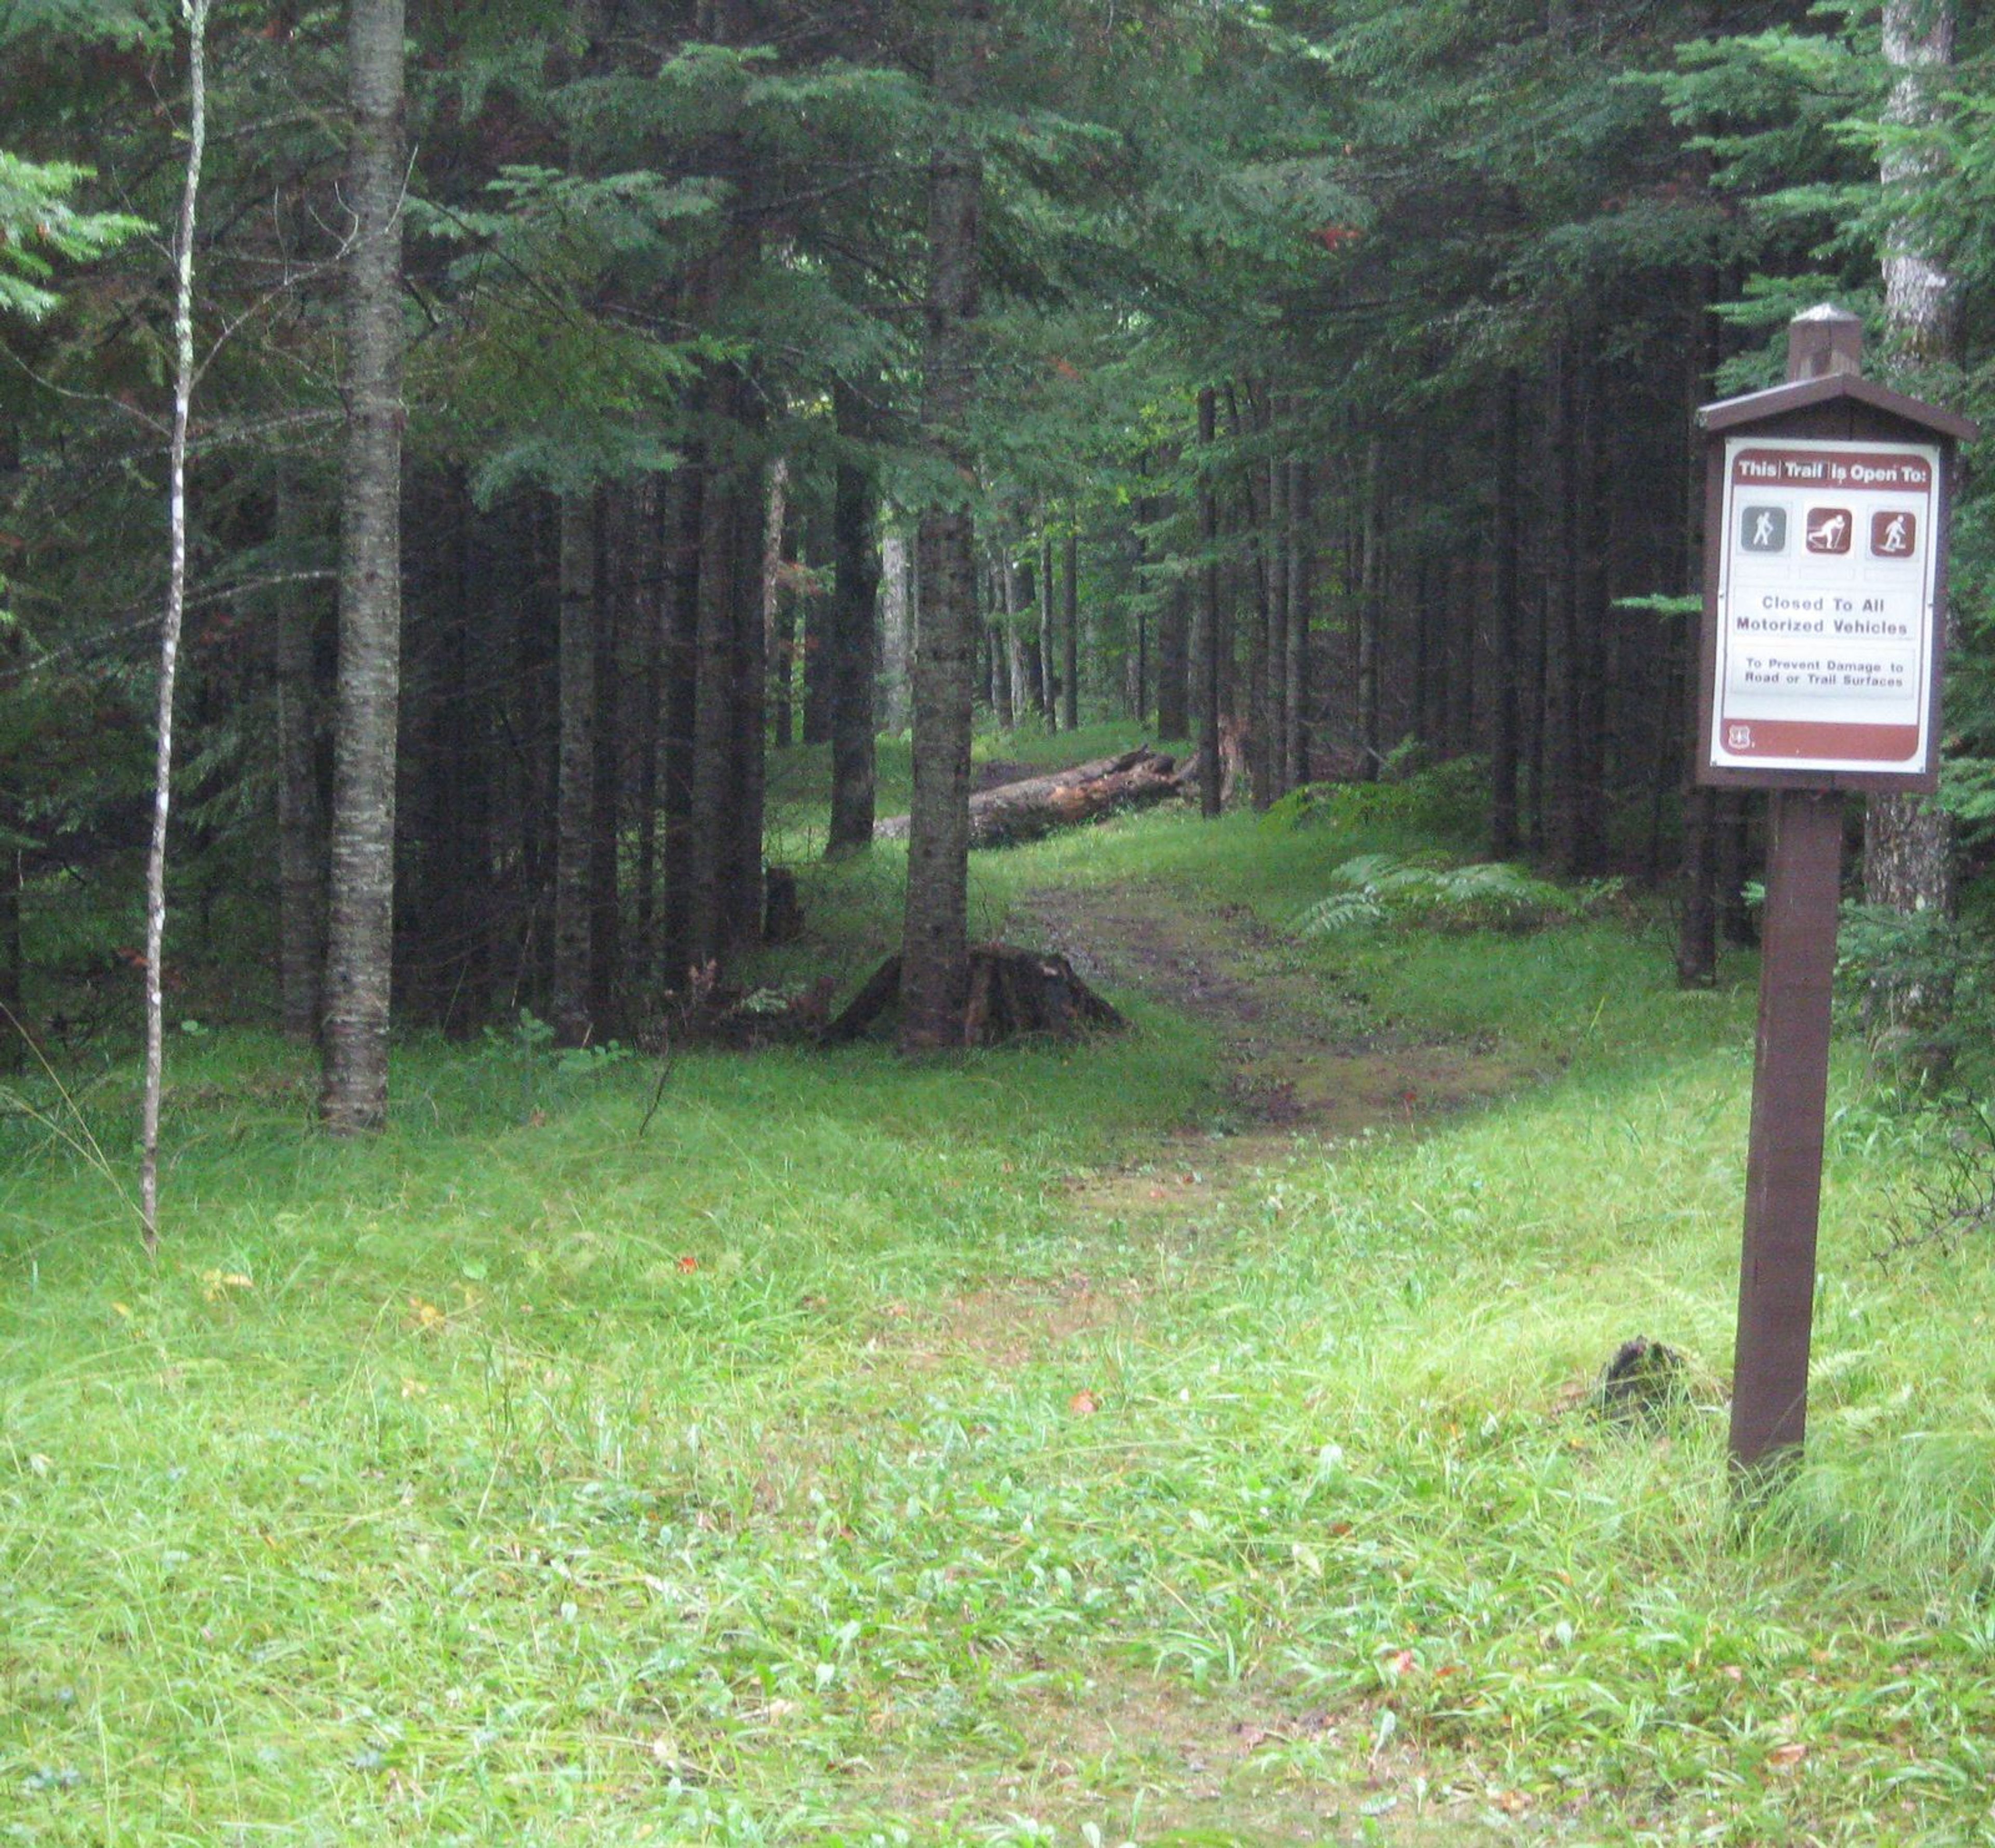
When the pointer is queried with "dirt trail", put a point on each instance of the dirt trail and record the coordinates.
(1302, 1058)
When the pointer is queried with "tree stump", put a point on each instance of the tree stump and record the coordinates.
(1013, 993)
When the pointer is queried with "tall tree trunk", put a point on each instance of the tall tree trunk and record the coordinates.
(1271, 720)
(360, 899)
(1697, 918)
(935, 947)
(855, 601)
(649, 605)
(743, 878)
(606, 792)
(896, 629)
(1209, 677)
(169, 632)
(300, 810)
(675, 924)
(463, 883)
(575, 765)
(713, 717)
(1049, 664)
(1174, 662)
(1296, 691)
(1587, 853)
(1070, 626)
(1371, 611)
(1908, 839)
(1503, 836)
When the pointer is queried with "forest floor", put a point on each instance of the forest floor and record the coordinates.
(1179, 1438)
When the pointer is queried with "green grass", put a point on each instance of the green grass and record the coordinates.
(828, 1466)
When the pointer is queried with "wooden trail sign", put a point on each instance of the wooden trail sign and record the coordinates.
(1826, 511)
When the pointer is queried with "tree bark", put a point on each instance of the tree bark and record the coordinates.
(1070, 627)
(1209, 679)
(170, 631)
(606, 795)
(1302, 581)
(1908, 839)
(1049, 676)
(935, 949)
(896, 629)
(575, 772)
(855, 601)
(360, 901)
(1371, 612)
(300, 810)
(1503, 836)
(681, 698)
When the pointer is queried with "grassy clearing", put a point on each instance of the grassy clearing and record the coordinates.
(828, 1467)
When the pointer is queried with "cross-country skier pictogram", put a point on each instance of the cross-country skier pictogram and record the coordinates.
(1828, 529)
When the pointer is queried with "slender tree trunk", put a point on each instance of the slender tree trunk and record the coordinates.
(1908, 839)
(1371, 612)
(934, 948)
(1697, 919)
(1302, 582)
(855, 602)
(649, 606)
(1270, 720)
(1049, 663)
(360, 907)
(1503, 836)
(897, 628)
(1070, 626)
(170, 630)
(1174, 662)
(575, 763)
(1023, 696)
(744, 883)
(1208, 679)
(713, 713)
(676, 931)
(300, 810)
(606, 795)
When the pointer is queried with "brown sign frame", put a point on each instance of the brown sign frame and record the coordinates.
(1841, 407)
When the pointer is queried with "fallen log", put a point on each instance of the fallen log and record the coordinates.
(1024, 811)
(1012, 993)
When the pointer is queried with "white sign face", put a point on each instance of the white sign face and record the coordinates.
(1825, 605)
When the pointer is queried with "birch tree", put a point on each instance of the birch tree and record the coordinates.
(195, 13)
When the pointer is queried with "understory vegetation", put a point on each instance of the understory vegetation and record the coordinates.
(993, 1451)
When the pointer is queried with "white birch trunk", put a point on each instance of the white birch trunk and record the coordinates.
(195, 13)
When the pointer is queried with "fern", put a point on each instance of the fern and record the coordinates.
(1374, 889)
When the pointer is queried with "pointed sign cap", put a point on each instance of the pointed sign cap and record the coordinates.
(1825, 364)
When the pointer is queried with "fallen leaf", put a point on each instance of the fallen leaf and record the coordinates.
(689, 1263)
(1400, 1661)
(427, 1316)
(1793, 1753)
(1083, 1404)
(1512, 1802)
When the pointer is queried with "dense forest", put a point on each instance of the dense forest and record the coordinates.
(604, 421)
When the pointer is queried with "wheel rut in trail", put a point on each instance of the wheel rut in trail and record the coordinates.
(1302, 1056)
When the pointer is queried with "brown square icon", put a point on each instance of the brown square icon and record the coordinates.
(1828, 530)
(1893, 535)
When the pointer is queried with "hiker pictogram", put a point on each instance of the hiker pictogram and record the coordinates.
(1828, 529)
(1893, 535)
(1763, 529)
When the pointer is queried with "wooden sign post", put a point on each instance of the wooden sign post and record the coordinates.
(1826, 515)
